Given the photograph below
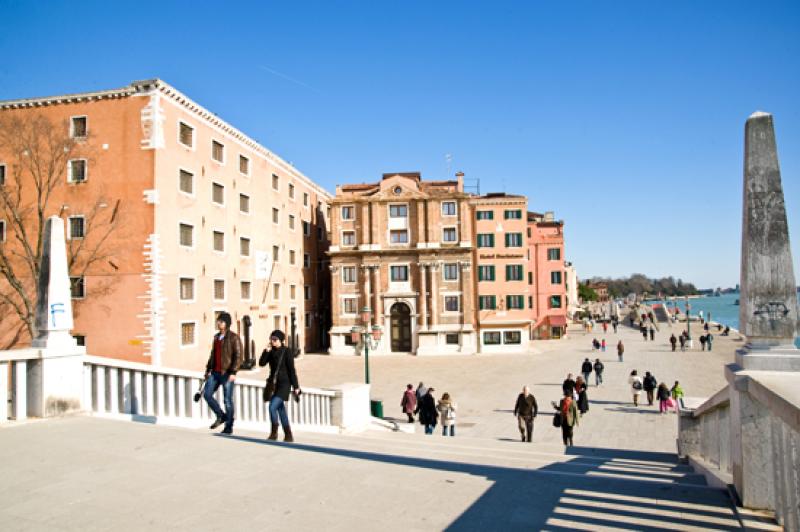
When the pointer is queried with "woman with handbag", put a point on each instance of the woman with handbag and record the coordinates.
(447, 411)
(282, 380)
(568, 412)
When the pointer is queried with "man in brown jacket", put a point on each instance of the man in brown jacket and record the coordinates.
(223, 363)
(526, 409)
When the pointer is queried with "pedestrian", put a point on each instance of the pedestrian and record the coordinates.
(598, 372)
(583, 397)
(221, 368)
(284, 377)
(603, 345)
(709, 340)
(569, 418)
(595, 344)
(525, 410)
(643, 330)
(727, 331)
(650, 384)
(447, 413)
(677, 394)
(682, 340)
(568, 385)
(702, 342)
(636, 386)
(605, 327)
(673, 341)
(652, 334)
(615, 323)
(663, 398)
(620, 350)
(409, 402)
(426, 408)
(586, 369)
(705, 327)
(421, 391)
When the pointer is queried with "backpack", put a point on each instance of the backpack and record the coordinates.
(637, 385)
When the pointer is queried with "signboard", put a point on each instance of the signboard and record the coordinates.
(263, 265)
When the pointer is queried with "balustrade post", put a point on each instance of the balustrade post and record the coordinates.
(87, 388)
(149, 408)
(182, 381)
(161, 404)
(127, 392)
(3, 391)
(100, 388)
(196, 406)
(20, 390)
(138, 395)
(170, 395)
(113, 391)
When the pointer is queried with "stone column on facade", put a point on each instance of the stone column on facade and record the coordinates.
(434, 267)
(376, 309)
(367, 293)
(466, 290)
(423, 272)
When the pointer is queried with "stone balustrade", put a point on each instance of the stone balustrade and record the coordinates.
(14, 369)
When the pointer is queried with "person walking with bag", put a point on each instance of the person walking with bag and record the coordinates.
(221, 368)
(281, 382)
(426, 408)
(409, 402)
(663, 398)
(525, 410)
(568, 418)
(447, 412)
(636, 386)
(677, 392)
(650, 383)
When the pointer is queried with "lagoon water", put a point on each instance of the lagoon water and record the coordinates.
(722, 309)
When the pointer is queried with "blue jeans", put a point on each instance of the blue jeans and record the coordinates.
(586, 377)
(452, 430)
(429, 428)
(214, 381)
(277, 409)
(598, 378)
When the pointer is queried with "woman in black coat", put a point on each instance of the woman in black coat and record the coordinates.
(427, 411)
(283, 374)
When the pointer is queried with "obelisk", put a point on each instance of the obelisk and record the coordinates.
(54, 303)
(768, 304)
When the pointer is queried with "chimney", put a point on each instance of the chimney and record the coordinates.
(549, 216)
(460, 178)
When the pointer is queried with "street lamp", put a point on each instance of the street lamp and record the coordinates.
(363, 337)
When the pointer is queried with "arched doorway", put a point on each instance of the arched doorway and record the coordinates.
(401, 328)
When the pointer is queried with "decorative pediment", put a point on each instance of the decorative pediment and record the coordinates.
(399, 187)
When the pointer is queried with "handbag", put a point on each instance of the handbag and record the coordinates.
(269, 388)
(557, 419)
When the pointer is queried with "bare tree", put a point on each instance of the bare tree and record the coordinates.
(35, 183)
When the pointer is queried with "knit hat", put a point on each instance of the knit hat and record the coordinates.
(277, 333)
(225, 318)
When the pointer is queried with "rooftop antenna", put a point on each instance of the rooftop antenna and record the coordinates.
(448, 157)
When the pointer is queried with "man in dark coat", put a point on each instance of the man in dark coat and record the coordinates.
(221, 368)
(673, 341)
(283, 374)
(568, 384)
(649, 383)
(525, 410)
(426, 408)
(586, 369)
(598, 372)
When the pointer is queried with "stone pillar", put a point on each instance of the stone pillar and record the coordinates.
(367, 293)
(465, 279)
(377, 311)
(434, 267)
(423, 272)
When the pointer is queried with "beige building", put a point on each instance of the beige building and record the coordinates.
(214, 222)
(403, 248)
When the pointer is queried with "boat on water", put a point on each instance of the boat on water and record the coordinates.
(736, 302)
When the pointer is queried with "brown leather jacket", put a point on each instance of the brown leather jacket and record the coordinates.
(231, 353)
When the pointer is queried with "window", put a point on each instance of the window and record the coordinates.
(292, 257)
(276, 253)
(348, 340)
(485, 240)
(451, 303)
(2, 175)
(451, 339)
(554, 254)
(291, 191)
(513, 240)
(555, 277)
(292, 291)
(449, 234)
(77, 171)
(291, 222)
(2, 230)
(276, 291)
(244, 246)
(219, 241)
(448, 208)
(515, 302)
(555, 301)
(512, 337)
(487, 302)
(306, 260)
(186, 235)
(512, 214)
(276, 321)
(188, 333)
(399, 273)
(348, 274)
(244, 165)
(348, 238)
(76, 227)
(186, 181)
(276, 182)
(80, 340)
(244, 203)
(276, 215)
(306, 229)
(305, 199)
(186, 135)
(306, 293)
(530, 301)
(218, 193)
(485, 273)
(186, 289)
(450, 272)
(398, 236)
(485, 215)
(77, 129)
(219, 289)
(513, 272)
(77, 287)
(217, 151)
(530, 277)
(320, 234)
(308, 320)
(348, 213)
(491, 338)
(350, 305)
(244, 290)
(398, 211)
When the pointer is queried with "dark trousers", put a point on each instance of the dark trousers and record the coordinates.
(566, 433)
(410, 417)
(525, 427)
(649, 397)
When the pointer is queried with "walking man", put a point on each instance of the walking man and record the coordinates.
(426, 408)
(652, 333)
(525, 410)
(598, 372)
(709, 339)
(221, 368)
(683, 342)
(620, 350)
(586, 369)
(702, 342)
(673, 341)
(650, 385)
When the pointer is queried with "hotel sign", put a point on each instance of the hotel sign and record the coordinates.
(502, 256)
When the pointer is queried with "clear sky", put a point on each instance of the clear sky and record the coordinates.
(625, 118)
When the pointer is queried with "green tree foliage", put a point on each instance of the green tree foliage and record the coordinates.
(585, 293)
(641, 284)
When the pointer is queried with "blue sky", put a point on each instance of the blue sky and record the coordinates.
(625, 118)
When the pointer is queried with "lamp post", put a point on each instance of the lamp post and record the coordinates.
(363, 337)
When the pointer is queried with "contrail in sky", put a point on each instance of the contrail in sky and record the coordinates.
(289, 78)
